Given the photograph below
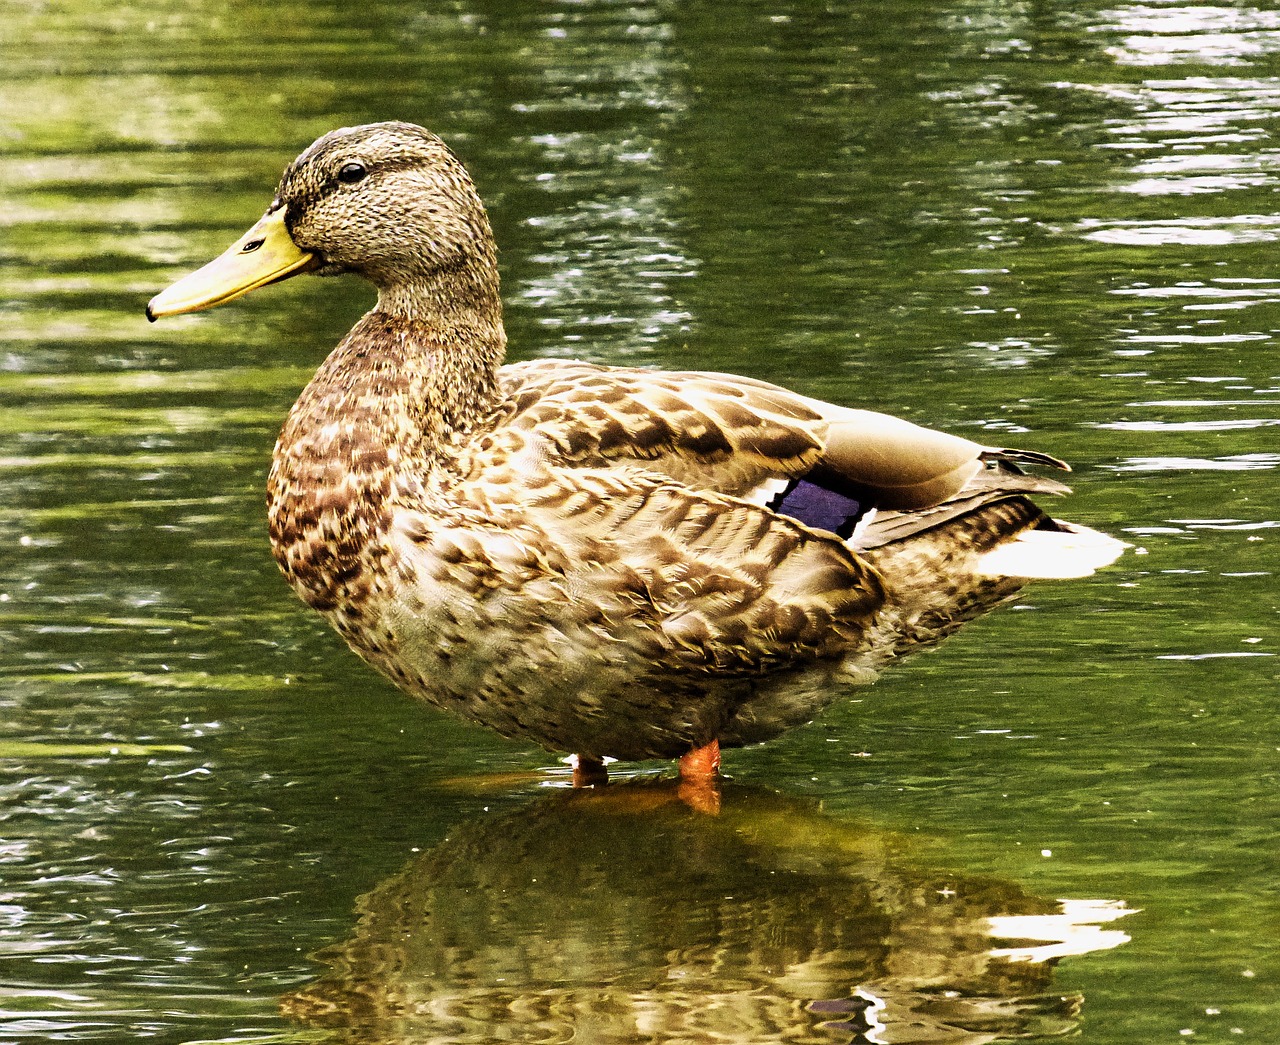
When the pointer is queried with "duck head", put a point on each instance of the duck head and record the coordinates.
(387, 201)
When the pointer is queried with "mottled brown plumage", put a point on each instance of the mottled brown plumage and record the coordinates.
(620, 916)
(608, 561)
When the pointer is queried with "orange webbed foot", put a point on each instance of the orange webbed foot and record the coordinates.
(700, 778)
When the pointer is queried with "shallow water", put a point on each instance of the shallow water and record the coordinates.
(1048, 225)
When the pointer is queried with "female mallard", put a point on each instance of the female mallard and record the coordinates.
(609, 561)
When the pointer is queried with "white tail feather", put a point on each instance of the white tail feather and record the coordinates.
(1074, 551)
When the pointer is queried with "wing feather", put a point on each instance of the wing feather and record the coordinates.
(746, 438)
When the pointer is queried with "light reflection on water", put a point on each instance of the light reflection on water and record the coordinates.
(603, 241)
(1177, 34)
(766, 922)
(1049, 225)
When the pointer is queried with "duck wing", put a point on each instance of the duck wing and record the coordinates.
(723, 584)
(619, 612)
(827, 466)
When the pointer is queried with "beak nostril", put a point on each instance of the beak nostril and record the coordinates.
(251, 246)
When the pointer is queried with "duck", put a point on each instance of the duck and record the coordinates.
(612, 562)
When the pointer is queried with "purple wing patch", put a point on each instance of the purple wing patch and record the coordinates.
(820, 507)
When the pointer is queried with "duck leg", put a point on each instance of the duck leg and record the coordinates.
(589, 771)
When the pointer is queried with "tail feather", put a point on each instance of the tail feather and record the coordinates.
(1068, 551)
(1026, 457)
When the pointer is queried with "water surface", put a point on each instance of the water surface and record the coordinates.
(1049, 225)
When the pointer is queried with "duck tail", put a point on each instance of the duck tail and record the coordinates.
(1025, 457)
(992, 528)
(990, 534)
(1056, 551)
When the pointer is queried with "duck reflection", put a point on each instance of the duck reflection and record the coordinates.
(625, 915)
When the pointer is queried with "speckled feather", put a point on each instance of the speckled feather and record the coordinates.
(587, 556)
(598, 609)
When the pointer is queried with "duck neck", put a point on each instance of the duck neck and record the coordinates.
(443, 332)
(393, 403)
(462, 295)
(413, 377)
(413, 382)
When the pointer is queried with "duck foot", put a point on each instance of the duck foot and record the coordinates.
(699, 786)
(702, 763)
(589, 771)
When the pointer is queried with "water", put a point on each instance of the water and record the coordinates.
(1041, 225)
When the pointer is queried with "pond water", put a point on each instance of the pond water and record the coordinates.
(1041, 224)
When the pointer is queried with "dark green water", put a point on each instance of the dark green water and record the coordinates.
(1041, 224)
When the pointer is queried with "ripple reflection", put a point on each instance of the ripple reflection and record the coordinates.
(623, 916)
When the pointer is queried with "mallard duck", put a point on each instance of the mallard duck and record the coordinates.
(609, 561)
(772, 922)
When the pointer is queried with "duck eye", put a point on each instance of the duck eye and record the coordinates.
(352, 173)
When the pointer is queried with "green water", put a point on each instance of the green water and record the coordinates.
(1039, 224)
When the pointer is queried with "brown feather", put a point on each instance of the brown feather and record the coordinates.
(581, 555)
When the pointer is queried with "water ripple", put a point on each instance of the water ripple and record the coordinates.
(1234, 463)
(1207, 231)
(1216, 425)
(1183, 34)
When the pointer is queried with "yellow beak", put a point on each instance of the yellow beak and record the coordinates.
(265, 254)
